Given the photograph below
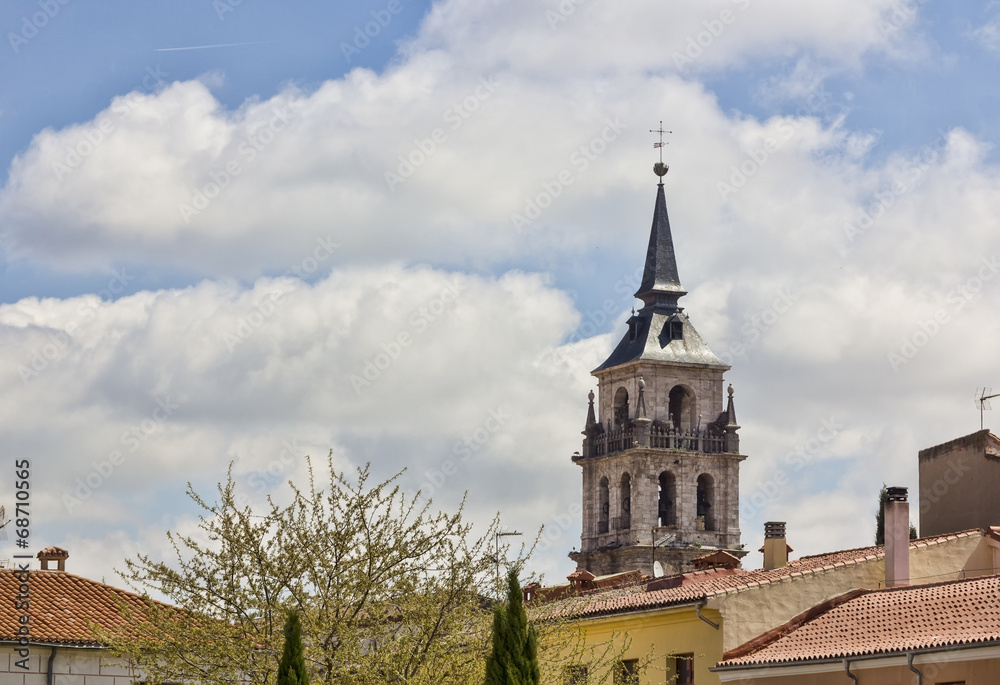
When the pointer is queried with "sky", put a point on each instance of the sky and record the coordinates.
(233, 233)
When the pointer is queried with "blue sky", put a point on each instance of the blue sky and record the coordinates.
(356, 189)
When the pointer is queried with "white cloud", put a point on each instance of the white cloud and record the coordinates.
(125, 401)
(988, 35)
(486, 106)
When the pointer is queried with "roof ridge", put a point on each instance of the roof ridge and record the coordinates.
(939, 583)
(930, 539)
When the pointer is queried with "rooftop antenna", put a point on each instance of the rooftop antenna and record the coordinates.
(983, 397)
(501, 534)
(660, 169)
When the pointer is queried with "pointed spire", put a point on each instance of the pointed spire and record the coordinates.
(591, 416)
(731, 410)
(732, 437)
(661, 285)
(640, 405)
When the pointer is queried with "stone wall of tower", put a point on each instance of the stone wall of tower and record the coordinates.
(644, 467)
(612, 551)
(706, 382)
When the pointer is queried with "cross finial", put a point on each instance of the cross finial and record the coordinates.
(659, 145)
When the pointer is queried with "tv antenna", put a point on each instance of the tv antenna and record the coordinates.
(497, 535)
(983, 397)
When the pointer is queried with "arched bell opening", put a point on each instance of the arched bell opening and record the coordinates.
(620, 407)
(666, 508)
(706, 501)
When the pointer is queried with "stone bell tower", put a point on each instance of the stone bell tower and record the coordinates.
(661, 454)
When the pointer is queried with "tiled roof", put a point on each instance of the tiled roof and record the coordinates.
(960, 612)
(62, 607)
(713, 584)
(583, 582)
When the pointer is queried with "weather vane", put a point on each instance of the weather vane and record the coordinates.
(660, 169)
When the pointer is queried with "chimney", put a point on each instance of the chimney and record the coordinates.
(775, 547)
(56, 554)
(896, 519)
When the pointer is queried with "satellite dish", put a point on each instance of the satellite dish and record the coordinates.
(657, 569)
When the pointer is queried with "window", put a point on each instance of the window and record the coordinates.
(705, 498)
(676, 330)
(684, 668)
(620, 407)
(666, 509)
(574, 675)
(681, 408)
(625, 519)
(627, 672)
(604, 503)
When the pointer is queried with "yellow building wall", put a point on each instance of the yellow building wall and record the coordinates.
(752, 612)
(654, 636)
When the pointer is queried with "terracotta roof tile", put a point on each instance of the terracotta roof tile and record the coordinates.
(62, 607)
(641, 596)
(960, 612)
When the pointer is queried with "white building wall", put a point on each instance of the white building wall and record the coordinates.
(71, 667)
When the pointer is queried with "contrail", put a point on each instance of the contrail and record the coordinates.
(206, 47)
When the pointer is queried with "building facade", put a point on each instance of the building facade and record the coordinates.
(697, 618)
(946, 633)
(959, 482)
(660, 455)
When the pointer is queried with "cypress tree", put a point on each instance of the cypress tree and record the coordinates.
(292, 669)
(514, 659)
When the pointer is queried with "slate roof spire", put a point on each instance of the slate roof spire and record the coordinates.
(661, 285)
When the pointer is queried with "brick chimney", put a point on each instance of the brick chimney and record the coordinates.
(56, 554)
(896, 519)
(775, 547)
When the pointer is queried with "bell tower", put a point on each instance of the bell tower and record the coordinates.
(661, 453)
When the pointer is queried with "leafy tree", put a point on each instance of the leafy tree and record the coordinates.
(292, 669)
(883, 497)
(514, 658)
(387, 590)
